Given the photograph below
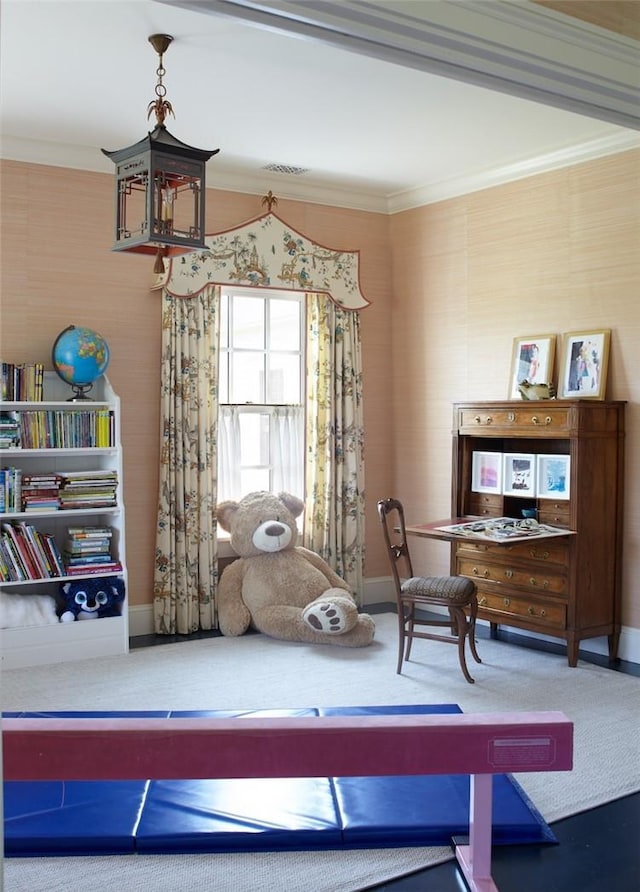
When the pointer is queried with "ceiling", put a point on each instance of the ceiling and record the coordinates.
(355, 103)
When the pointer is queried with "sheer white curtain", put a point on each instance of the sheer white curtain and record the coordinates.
(287, 451)
(229, 484)
(287, 426)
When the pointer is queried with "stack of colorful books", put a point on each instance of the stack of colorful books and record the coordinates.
(9, 431)
(40, 492)
(87, 550)
(88, 489)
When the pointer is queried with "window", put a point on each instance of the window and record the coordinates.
(261, 393)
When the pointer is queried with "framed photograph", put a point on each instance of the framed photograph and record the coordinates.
(552, 475)
(519, 474)
(585, 357)
(486, 472)
(533, 360)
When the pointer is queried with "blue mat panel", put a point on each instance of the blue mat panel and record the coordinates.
(283, 814)
(72, 817)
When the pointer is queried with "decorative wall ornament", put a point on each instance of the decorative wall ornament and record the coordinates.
(267, 252)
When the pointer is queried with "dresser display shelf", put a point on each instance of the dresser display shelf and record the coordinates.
(23, 647)
(563, 586)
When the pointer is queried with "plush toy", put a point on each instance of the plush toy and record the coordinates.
(91, 598)
(25, 609)
(278, 587)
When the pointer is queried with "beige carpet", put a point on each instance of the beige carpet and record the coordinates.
(254, 672)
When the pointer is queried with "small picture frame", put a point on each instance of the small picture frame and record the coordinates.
(585, 359)
(519, 474)
(532, 360)
(486, 472)
(552, 476)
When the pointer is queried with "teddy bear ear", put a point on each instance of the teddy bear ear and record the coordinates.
(293, 503)
(224, 514)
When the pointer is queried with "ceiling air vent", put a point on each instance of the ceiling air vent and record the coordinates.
(286, 168)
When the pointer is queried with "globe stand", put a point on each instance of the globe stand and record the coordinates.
(80, 392)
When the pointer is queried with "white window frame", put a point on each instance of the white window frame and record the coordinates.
(229, 476)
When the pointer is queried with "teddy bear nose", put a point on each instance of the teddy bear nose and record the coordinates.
(275, 529)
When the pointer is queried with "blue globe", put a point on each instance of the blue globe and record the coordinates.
(80, 356)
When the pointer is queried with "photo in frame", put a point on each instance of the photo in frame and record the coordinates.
(552, 476)
(532, 360)
(486, 472)
(585, 359)
(519, 474)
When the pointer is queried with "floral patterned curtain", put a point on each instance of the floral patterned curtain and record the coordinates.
(334, 509)
(186, 569)
(186, 552)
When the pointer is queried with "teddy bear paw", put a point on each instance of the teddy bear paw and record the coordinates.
(326, 616)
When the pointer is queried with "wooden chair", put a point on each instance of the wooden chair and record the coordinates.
(456, 593)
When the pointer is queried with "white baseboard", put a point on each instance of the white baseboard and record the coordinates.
(379, 590)
(141, 620)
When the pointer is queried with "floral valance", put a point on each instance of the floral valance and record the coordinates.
(268, 252)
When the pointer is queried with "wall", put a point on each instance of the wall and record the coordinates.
(552, 253)
(57, 269)
(451, 285)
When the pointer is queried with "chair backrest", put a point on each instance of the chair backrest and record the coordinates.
(391, 514)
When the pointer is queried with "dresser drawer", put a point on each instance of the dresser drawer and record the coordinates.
(537, 579)
(482, 504)
(532, 419)
(554, 513)
(499, 608)
(547, 551)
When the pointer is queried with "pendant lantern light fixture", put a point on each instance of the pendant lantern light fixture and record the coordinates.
(160, 185)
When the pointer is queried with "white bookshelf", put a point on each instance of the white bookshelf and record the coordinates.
(36, 645)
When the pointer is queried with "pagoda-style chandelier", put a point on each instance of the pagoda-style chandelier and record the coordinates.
(160, 185)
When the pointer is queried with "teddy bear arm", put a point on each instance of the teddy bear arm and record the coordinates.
(233, 615)
(320, 564)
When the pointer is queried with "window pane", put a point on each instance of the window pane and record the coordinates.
(284, 325)
(284, 378)
(224, 321)
(248, 323)
(253, 480)
(248, 378)
(223, 377)
(254, 433)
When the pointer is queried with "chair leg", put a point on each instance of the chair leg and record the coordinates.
(409, 633)
(461, 621)
(401, 623)
(473, 612)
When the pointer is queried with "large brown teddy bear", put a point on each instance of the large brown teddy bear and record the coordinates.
(279, 588)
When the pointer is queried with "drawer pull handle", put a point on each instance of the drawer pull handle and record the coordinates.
(541, 555)
(487, 420)
(476, 572)
(536, 420)
(482, 602)
(507, 602)
(508, 574)
(544, 583)
(531, 611)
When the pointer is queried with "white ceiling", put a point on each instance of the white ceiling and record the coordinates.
(78, 75)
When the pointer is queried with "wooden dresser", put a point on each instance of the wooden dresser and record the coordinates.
(565, 587)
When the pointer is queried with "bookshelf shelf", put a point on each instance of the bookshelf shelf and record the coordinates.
(87, 476)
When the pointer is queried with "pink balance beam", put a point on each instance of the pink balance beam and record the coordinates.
(322, 746)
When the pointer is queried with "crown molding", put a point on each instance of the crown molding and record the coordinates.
(589, 151)
(299, 189)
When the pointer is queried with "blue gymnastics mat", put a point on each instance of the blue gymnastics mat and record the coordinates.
(45, 818)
